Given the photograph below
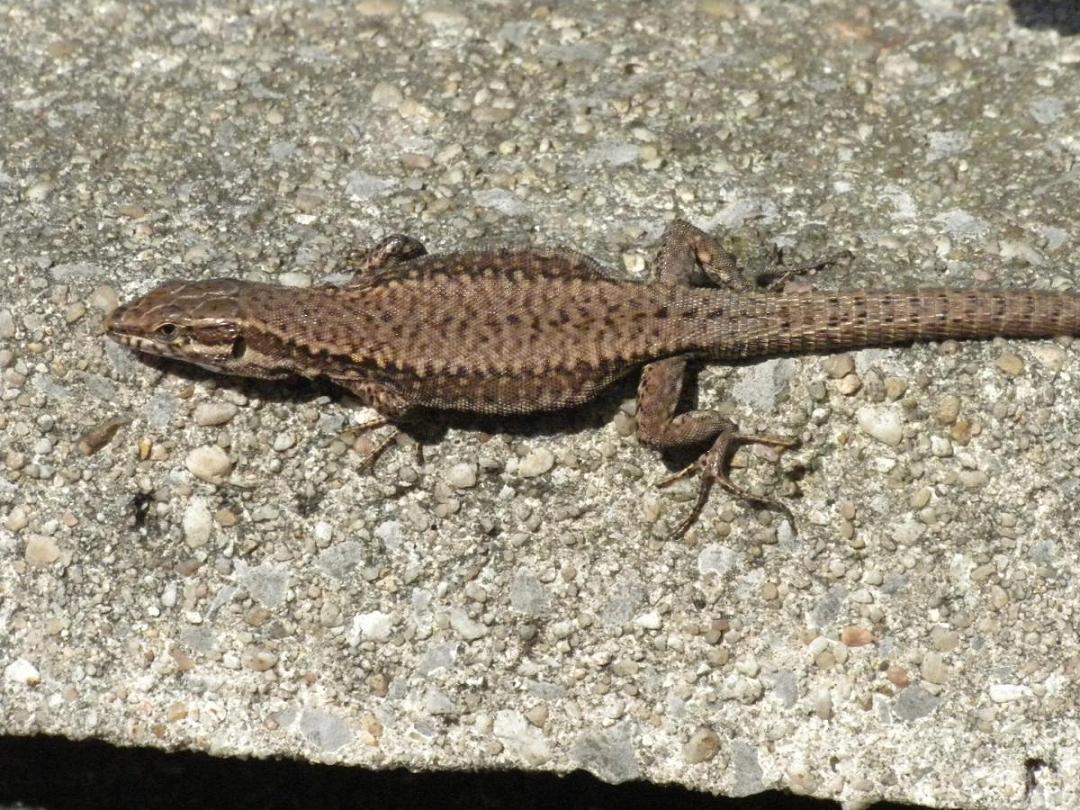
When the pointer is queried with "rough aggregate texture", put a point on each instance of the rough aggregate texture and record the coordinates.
(215, 571)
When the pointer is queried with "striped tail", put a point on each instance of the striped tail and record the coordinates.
(822, 321)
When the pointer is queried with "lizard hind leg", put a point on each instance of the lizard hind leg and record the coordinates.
(687, 255)
(660, 427)
(394, 249)
(713, 467)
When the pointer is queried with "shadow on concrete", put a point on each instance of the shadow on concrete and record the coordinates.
(54, 773)
(1061, 15)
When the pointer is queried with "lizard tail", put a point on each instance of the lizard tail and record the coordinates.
(823, 321)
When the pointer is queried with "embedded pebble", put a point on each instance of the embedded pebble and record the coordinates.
(1008, 692)
(537, 462)
(74, 312)
(259, 660)
(1010, 364)
(22, 671)
(1050, 356)
(209, 463)
(104, 298)
(856, 636)
(374, 626)
(895, 387)
(197, 523)
(325, 731)
(933, 668)
(39, 191)
(650, 620)
(702, 746)
(520, 738)
(41, 550)
(283, 442)
(466, 627)
(7, 324)
(849, 385)
(17, 519)
(293, 279)
(944, 640)
(100, 435)
(213, 414)
(838, 366)
(948, 408)
(941, 447)
(462, 475)
(821, 699)
(882, 424)
(920, 498)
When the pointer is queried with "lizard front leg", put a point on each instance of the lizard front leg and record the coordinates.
(686, 255)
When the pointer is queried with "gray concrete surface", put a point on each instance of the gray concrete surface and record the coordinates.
(514, 601)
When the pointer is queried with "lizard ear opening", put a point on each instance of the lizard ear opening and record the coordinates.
(239, 348)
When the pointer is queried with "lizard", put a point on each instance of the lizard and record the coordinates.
(526, 330)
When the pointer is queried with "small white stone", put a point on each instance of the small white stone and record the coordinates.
(466, 627)
(170, 595)
(520, 738)
(22, 671)
(941, 447)
(462, 476)
(933, 668)
(1070, 53)
(17, 519)
(209, 463)
(323, 532)
(1050, 356)
(881, 423)
(39, 191)
(374, 626)
(197, 523)
(294, 280)
(1007, 692)
(41, 550)
(283, 442)
(716, 559)
(212, 414)
(701, 747)
(537, 462)
(7, 324)
(650, 620)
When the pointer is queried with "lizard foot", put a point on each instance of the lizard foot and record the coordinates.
(375, 452)
(713, 467)
(372, 455)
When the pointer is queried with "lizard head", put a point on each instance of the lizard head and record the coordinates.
(197, 322)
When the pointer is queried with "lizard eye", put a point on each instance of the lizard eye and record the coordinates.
(167, 331)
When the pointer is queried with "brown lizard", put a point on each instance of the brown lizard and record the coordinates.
(521, 331)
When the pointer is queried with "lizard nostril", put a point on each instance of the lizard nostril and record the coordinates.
(239, 348)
